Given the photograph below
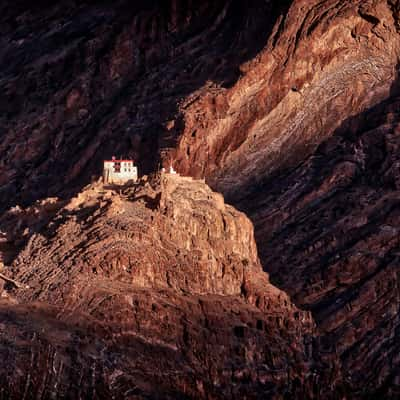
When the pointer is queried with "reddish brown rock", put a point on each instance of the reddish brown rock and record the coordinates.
(325, 61)
(328, 234)
(288, 108)
(80, 82)
(154, 293)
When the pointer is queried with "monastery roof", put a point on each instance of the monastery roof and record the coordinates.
(118, 160)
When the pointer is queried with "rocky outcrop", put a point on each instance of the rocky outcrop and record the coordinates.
(156, 292)
(205, 246)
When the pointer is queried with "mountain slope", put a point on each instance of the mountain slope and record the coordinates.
(288, 108)
(136, 296)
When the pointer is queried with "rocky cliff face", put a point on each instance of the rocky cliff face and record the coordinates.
(84, 81)
(324, 62)
(289, 109)
(328, 233)
(306, 144)
(158, 293)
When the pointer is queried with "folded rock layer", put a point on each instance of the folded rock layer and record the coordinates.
(287, 108)
(157, 292)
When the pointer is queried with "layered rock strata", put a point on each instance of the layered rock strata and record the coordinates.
(242, 95)
(325, 61)
(153, 293)
(81, 82)
(328, 233)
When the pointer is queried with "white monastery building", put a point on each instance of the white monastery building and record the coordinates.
(119, 171)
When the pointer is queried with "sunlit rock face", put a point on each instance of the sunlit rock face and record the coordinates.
(323, 63)
(155, 292)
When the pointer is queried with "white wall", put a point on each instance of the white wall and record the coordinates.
(127, 172)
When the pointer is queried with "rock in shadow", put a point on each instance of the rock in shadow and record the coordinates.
(150, 202)
(137, 61)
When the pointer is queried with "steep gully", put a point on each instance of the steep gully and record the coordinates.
(325, 214)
